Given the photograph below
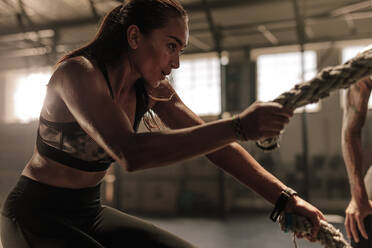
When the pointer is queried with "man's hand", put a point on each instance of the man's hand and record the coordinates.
(354, 221)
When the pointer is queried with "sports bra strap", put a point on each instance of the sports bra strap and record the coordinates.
(103, 69)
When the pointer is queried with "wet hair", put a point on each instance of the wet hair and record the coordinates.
(110, 42)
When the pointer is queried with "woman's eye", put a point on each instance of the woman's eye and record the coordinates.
(172, 46)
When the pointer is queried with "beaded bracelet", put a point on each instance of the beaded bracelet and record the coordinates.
(238, 130)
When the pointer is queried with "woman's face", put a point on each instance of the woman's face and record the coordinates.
(158, 52)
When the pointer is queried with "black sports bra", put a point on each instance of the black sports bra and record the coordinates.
(68, 144)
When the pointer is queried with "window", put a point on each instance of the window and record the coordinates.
(25, 95)
(198, 83)
(277, 73)
(348, 53)
(351, 51)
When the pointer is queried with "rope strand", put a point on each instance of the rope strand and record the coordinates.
(326, 81)
(328, 235)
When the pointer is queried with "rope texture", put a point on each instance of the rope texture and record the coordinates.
(327, 80)
(328, 235)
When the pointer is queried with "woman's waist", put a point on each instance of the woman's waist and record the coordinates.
(41, 197)
(52, 173)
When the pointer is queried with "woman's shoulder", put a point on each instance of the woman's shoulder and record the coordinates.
(75, 65)
(77, 73)
(76, 69)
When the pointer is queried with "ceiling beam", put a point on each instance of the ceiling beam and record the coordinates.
(351, 8)
(93, 21)
(199, 43)
(268, 34)
(237, 47)
(21, 16)
(300, 24)
(23, 13)
(51, 25)
(197, 6)
(94, 10)
(289, 22)
(221, 4)
(212, 27)
(350, 23)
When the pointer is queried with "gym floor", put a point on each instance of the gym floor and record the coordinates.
(233, 232)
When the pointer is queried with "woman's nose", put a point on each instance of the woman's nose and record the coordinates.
(176, 62)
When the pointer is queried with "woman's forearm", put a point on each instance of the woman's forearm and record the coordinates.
(236, 161)
(154, 149)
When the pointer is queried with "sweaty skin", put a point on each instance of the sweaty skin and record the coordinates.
(356, 106)
(77, 92)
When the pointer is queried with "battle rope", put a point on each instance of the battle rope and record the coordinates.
(327, 80)
(328, 235)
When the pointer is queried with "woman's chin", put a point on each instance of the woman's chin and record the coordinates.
(155, 84)
(152, 85)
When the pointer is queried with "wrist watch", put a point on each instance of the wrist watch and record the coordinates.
(290, 191)
(281, 203)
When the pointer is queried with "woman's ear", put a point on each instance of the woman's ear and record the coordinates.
(133, 36)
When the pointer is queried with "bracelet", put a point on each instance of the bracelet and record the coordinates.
(268, 144)
(238, 130)
(281, 203)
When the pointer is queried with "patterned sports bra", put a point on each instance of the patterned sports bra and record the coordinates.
(68, 144)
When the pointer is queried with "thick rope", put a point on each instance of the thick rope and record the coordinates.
(327, 80)
(328, 235)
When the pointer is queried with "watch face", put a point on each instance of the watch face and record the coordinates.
(290, 191)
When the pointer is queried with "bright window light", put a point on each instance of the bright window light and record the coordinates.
(351, 51)
(29, 96)
(198, 83)
(348, 53)
(277, 73)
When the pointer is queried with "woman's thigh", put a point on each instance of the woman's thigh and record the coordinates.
(11, 234)
(49, 233)
(116, 229)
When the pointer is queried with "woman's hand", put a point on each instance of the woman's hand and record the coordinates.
(301, 207)
(354, 221)
(264, 119)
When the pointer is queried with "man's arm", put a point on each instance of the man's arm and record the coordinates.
(356, 106)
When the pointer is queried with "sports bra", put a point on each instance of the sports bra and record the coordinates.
(68, 144)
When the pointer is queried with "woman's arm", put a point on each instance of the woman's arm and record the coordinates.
(83, 90)
(232, 158)
(235, 160)
(85, 94)
(355, 110)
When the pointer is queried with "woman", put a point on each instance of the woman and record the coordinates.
(95, 99)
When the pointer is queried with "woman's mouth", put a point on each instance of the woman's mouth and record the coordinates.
(163, 75)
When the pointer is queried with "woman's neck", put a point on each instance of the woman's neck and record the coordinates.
(122, 76)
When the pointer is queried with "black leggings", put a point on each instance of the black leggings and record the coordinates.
(39, 215)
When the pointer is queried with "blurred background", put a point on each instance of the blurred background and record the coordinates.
(239, 51)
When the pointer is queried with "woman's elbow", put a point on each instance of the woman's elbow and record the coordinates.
(131, 163)
(127, 164)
